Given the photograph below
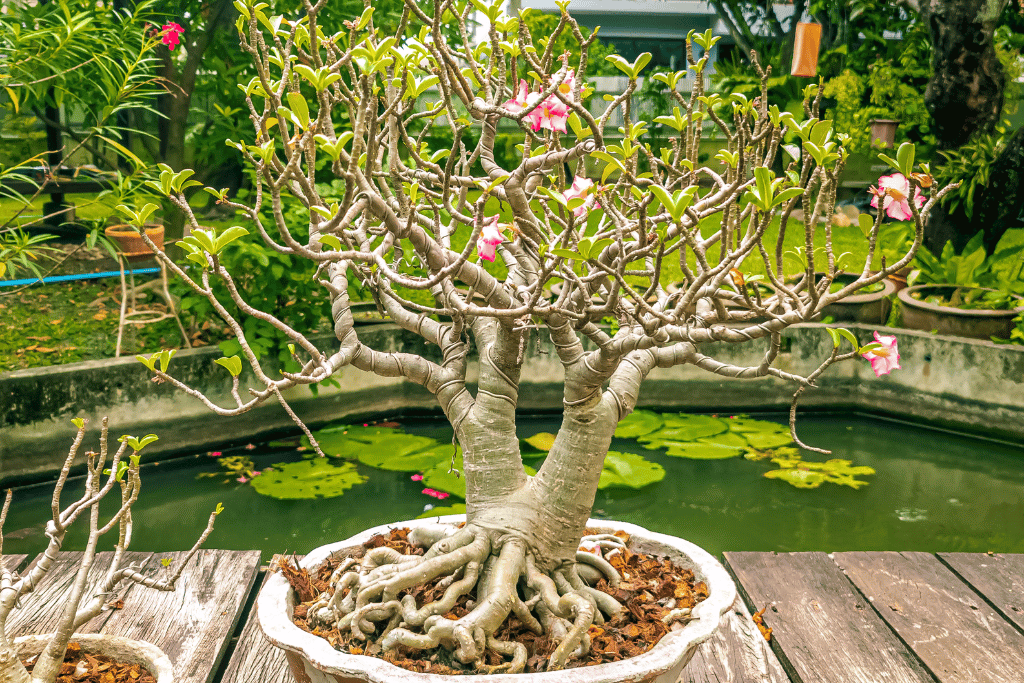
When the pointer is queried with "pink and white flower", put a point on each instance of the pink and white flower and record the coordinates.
(580, 190)
(885, 359)
(551, 114)
(521, 100)
(171, 34)
(895, 193)
(490, 238)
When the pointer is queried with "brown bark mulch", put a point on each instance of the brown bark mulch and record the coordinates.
(94, 668)
(650, 587)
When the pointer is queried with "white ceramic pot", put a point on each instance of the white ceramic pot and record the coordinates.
(313, 660)
(124, 650)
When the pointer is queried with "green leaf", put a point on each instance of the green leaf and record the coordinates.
(849, 336)
(399, 452)
(835, 336)
(299, 107)
(542, 441)
(566, 253)
(331, 241)
(638, 423)
(629, 469)
(233, 364)
(307, 479)
(809, 475)
(78, 422)
(364, 18)
(761, 434)
(684, 427)
(440, 479)
(905, 158)
(702, 451)
(457, 509)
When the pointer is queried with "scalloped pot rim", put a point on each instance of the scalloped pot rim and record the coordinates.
(275, 603)
(118, 648)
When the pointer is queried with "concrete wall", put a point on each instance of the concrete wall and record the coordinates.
(962, 384)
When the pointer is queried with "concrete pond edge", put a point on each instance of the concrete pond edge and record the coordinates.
(962, 384)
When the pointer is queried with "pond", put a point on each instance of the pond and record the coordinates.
(931, 491)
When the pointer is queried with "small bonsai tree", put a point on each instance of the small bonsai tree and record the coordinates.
(101, 478)
(414, 226)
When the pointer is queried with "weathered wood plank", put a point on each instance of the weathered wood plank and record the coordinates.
(13, 562)
(957, 635)
(736, 653)
(999, 578)
(193, 623)
(823, 631)
(41, 609)
(255, 659)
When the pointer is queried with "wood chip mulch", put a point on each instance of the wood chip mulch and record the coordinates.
(650, 587)
(82, 667)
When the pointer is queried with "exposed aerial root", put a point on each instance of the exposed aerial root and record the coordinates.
(374, 599)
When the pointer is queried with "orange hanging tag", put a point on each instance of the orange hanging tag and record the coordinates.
(805, 49)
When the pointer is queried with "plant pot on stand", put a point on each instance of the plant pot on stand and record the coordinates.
(979, 323)
(313, 660)
(132, 249)
(118, 649)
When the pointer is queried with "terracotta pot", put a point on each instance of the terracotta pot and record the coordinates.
(883, 132)
(123, 650)
(129, 241)
(862, 308)
(959, 322)
(805, 49)
(313, 660)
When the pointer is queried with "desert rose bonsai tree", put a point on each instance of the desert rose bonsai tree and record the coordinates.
(354, 107)
(102, 475)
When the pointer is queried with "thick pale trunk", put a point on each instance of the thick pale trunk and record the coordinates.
(11, 668)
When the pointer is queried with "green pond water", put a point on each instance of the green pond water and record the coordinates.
(932, 491)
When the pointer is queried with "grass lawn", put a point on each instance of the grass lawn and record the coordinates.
(74, 321)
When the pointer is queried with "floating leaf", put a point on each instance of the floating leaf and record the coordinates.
(638, 423)
(440, 479)
(405, 453)
(810, 475)
(702, 451)
(726, 439)
(306, 479)
(761, 434)
(457, 509)
(693, 426)
(542, 441)
(628, 469)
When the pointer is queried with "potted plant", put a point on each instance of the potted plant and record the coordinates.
(130, 243)
(86, 601)
(413, 219)
(870, 305)
(969, 294)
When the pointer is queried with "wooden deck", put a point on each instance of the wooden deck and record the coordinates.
(855, 617)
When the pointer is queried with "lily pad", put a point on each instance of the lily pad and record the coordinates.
(638, 423)
(810, 475)
(686, 428)
(405, 453)
(726, 439)
(542, 441)
(317, 478)
(457, 509)
(347, 441)
(628, 469)
(761, 434)
(440, 479)
(702, 451)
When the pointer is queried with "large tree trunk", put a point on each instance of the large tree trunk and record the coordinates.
(965, 94)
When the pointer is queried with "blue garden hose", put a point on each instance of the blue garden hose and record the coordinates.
(80, 276)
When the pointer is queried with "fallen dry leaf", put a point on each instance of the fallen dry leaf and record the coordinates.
(759, 620)
(102, 315)
(39, 338)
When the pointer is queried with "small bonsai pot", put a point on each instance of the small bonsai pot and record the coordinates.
(871, 308)
(313, 660)
(960, 322)
(130, 242)
(122, 650)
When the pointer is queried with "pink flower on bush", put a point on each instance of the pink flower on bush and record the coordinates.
(417, 477)
(885, 359)
(171, 35)
(551, 114)
(216, 454)
(895, 193)
(490, 238)
(580, 189)
(521, 99)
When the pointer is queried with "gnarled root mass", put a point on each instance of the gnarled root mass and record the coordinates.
(380, 600)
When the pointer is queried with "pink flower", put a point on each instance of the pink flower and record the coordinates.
(580, 189)
(256, 473)
(895, 191)
(171, 35)
(551, 114)
(521, 100)
(440, 495)
(216, 454)
(885, 359)
(490, 238)
(417, 477)
(242, 480)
